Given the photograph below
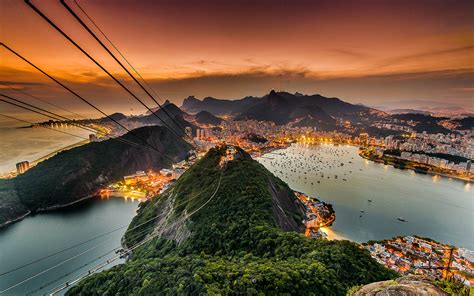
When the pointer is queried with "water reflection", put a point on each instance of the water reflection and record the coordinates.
(434, 206)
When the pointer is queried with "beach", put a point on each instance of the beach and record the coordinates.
(21, 143)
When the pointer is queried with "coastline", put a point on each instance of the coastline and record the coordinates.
(332, 233)
(45, 210)
(427, 172)
(55, 207)
(18, 219)
(12, 173)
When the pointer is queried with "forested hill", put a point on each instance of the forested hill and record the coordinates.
(78, 172)
(228, 230)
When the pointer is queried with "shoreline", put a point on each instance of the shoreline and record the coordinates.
(12, 173)
(466, 180)
(331, 232)
(18, 219)
(45, 210)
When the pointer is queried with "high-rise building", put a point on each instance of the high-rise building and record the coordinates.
(188, 131)
(389, 141)
(22, 167)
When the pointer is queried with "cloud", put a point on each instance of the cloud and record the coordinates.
(349, 53)
(430, 54)
(16, 83)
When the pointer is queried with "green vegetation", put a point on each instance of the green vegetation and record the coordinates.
(233, 245)
(10, 205)
(455, 288)
(76, 173)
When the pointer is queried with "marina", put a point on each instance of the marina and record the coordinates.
(373, 197)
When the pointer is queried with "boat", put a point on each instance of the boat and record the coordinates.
(369, 200)
(401, 219)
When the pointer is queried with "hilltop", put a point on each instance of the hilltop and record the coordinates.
(230, 228)
(79, 172)
(205, 117)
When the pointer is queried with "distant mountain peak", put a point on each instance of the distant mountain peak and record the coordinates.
(205, 117)
(282, 107)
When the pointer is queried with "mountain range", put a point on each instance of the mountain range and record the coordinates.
(283, 107)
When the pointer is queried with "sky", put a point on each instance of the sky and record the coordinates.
(396, 54)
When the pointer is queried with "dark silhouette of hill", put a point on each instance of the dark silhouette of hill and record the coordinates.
(423, 122)
(465, 123)
(76, 173)
(283, 107)
(217, 106)
(205, 117)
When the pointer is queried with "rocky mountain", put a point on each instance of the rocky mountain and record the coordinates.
(283, 107)
(217, 106)
(169, 109)
(228, 226)
(79, 172)
(406, 285)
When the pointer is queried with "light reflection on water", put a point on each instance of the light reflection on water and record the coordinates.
(30, 144)
(43, 234)
(434, 206)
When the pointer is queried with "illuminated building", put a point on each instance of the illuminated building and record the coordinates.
(203, 133)
(22, 167)
(166, 172)
(139, 176)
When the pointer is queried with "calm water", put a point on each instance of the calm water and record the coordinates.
(439, 208)
(435, 207)
(43, 234)
(18, 144)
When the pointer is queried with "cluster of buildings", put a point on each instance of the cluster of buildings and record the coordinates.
(427, 149)
(317, 214)
(144, 183)
(203, 133)
(230, 154)
(461, 167)
(461, 144)
(415, 255)
(394, 126)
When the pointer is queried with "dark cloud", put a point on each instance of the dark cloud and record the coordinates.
(15, 83)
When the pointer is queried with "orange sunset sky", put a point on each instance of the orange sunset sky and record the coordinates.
(380, 53)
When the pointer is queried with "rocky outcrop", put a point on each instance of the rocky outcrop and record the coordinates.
(284, 207)
(410, 285)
